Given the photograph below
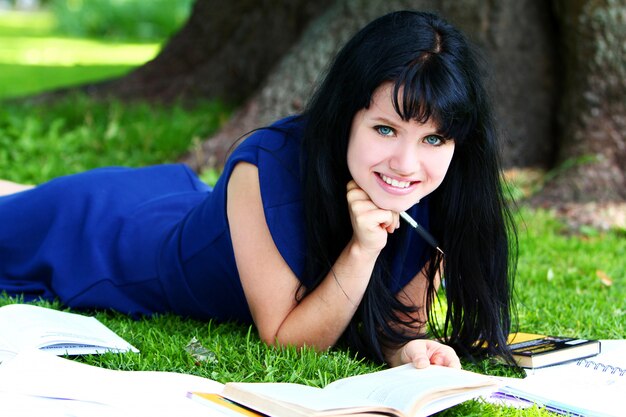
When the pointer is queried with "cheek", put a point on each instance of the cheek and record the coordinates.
(439, 164)
(361, 157)
(353, 160)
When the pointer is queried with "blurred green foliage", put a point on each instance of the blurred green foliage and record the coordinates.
(137, 20)
(34, 57)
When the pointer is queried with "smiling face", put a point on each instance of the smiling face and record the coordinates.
(396, 162)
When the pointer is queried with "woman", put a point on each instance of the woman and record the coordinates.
(301, 235)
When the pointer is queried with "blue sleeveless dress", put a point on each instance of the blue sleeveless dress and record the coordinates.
(156, 239)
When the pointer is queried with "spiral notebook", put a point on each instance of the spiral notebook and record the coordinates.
(594, 386)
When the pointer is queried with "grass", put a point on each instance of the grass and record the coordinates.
(558, 291)
(41, 142)
(33, 57)
(571, 284)
(567, 284)
(38, 142)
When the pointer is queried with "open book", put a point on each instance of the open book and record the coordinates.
(35, 383)
(402, 391)
(25, 326)
(586, 387)
(41, 383)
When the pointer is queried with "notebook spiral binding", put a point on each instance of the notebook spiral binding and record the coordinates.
(613, 370)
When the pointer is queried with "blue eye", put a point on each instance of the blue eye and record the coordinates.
(434, 140)
(384, 130)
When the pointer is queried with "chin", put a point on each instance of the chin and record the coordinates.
(396, 206)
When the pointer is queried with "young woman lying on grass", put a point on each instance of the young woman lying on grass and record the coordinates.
(301, 235)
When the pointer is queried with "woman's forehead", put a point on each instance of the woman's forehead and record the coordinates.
(389, 100)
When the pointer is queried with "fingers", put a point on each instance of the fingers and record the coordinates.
(416, 353)
(352, 185)
(361, 204)
(370, 225)
(446, 357)
(395, 222)
(422, 353)
(355, 193)
(421, 362)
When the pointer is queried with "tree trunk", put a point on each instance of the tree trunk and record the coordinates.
(225, 50)
(592, 114)
(517, 39)
(515, 35)
(288, 87)
(558, 75)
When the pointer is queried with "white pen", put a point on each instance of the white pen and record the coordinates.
(422, 232)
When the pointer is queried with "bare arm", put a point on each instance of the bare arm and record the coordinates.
(269, 284)
(420, 352)
(322, 316)
(9, 187)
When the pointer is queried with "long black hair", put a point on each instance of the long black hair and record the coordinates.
(436, 76)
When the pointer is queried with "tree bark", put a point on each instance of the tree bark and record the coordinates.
(517, 39)
(592, 113)
(225, 50)
(515, 35)
(288, 87)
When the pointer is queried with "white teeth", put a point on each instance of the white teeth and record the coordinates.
(395, 183)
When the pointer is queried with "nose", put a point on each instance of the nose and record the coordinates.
(405, 159)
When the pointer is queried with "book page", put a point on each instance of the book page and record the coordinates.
(582, 396)
(311, 398)
(34, 379)
(407, 388)
(28, 326)
(222, 405)
(593, 385)
(402, 388)
(26, 405)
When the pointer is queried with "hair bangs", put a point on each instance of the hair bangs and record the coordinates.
(425, 92)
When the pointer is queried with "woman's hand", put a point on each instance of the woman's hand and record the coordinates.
(370, 224)
(424, 352)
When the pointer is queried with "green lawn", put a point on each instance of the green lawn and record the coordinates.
(41, 142)
(34, 58)
(567, 284)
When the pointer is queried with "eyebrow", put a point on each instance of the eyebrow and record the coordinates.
(384, 120)
(396, 124)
